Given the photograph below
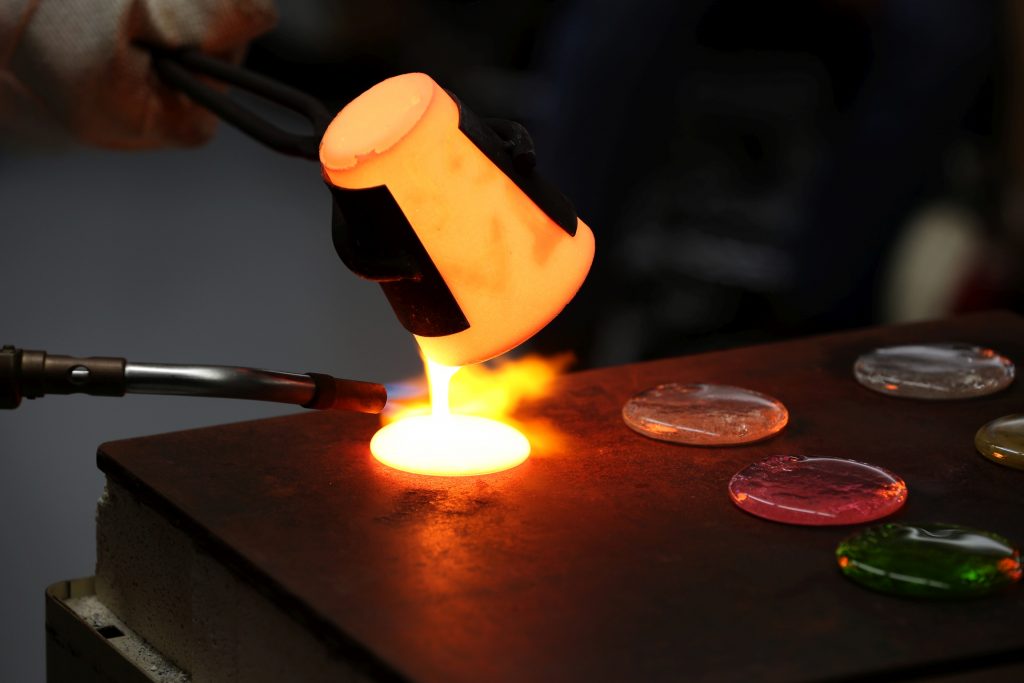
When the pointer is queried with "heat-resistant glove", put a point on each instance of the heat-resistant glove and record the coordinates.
(70, 70)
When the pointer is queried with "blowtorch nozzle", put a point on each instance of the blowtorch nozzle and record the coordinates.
(33, 374)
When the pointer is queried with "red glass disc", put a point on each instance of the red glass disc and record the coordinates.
(817, 491)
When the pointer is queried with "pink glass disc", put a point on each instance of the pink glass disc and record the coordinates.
(817, 491)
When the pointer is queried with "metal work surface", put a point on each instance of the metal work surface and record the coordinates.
(606, 556)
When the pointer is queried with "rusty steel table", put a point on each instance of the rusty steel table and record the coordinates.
(607, 556)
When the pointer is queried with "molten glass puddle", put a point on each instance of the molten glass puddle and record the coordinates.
(444, 444)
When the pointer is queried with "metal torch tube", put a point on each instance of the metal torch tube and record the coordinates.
(219, 382)
(34, 374)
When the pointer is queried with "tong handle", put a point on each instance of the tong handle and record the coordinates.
(177, 68)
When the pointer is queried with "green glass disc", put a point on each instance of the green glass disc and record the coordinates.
(929, 560)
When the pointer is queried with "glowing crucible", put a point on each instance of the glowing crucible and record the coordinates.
(474, 250)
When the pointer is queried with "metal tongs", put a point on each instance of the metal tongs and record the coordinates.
(178, 69)
(33, 374)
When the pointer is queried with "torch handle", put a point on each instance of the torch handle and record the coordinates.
(33, 374)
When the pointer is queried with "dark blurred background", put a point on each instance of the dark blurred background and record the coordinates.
(751, 171)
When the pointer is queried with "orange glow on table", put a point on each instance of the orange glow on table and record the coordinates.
(443, 444)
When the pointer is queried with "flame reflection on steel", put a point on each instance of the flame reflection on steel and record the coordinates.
(444, 444)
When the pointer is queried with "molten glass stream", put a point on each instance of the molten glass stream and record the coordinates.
(449, 445)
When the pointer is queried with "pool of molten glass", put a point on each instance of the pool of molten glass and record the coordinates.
(446, 444)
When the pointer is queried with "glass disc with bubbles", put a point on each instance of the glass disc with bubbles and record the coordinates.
(934, 371)
(817, 490)
(704, 414)
(929, 560)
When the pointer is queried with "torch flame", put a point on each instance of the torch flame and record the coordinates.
(464, 429)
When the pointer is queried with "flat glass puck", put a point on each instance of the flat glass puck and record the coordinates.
(1002, 441)
(704, 414)
(934, 371)
(816, 490)
(929, 560)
